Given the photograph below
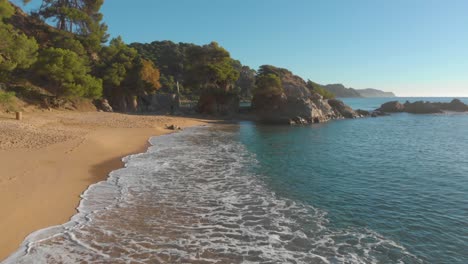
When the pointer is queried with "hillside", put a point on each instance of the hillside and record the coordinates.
(340, 90)
(370, 92)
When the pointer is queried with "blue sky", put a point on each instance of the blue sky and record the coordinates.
(410, 47)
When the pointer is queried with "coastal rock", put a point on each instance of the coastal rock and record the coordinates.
(391, 107)
(362, 113)
(297, 104)
(103, 105)
(342, 109)
(173, 127)
(165, 103)
(221, 104)
(421, 107)
(455, 105)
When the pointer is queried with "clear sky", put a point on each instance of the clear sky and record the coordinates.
(410, 47)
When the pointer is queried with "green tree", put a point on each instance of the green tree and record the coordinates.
(67, 74)
(211, 67)
(315, 87)
(81, 17)
(246, 82)
(268, 84)
(17, 51)
(126, 74)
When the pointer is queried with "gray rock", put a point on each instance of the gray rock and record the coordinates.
(392, 107)
(342, 109)
(103, 105)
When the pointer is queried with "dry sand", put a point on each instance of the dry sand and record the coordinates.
(49, 159)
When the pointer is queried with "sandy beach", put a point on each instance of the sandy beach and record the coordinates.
(49, 159)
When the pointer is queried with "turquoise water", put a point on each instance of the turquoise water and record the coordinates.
(403, 176)
(392, 189)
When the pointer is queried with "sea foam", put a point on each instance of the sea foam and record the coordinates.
(194, 197)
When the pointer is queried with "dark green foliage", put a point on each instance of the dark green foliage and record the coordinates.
(17, 51)
(81, 17)
(169, 58)
(246, 82)
(210, 67)
(315, 87)
(268, 69)
(195, 68)
(67, 74)
(126, 74)
(7, 100)
(268, 84)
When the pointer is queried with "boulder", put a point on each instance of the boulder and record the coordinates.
(421, 107)
(392, 107)
(103, 105)
(455, 105)
(363, 113)
(377, 113)
(173, 127)
(342, 109)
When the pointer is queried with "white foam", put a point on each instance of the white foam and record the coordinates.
(192, 197)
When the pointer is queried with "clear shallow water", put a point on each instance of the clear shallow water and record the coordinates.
(377, 190)
(403, 176)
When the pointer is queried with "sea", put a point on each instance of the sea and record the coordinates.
(391, 189)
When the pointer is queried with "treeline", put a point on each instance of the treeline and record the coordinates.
(197, 69)
(74, 58)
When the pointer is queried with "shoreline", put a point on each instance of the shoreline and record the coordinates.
(41, 185)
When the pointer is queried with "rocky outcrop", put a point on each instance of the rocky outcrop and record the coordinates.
(218, 104)
(391, 107)
(103, 105)
(297, 104)
(421, 107)
(165, 103)
(342, 109)
(455, 105)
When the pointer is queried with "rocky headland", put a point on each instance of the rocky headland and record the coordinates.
(296, 103)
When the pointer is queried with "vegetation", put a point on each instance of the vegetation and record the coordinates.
(17, 51)
(70, 59)
(197, 69)
(7, 100)
(315, 87)
(67, 73)
(268, 84)
(268, 81)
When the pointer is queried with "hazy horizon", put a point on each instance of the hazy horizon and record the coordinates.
(412, 48)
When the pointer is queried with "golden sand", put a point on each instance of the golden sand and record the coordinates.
(49, 159)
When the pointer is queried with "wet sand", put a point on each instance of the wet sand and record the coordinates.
(49, 159)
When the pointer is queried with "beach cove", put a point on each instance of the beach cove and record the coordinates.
(50, 158)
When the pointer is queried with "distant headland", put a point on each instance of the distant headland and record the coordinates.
(339, 90)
